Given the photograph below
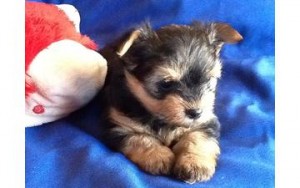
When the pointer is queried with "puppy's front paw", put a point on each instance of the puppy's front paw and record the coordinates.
(192, 168)
(155, 160)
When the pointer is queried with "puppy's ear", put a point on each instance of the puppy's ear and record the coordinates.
(142, 33)
(220, 33)
(128, 42)
(137, 47)
(225, 33)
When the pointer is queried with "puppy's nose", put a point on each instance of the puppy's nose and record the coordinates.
(193, 113)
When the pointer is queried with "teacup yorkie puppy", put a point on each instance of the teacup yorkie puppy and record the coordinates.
(159, 95)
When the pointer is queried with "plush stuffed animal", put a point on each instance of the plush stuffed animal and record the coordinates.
(63, 71)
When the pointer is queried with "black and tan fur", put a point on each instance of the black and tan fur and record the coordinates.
(159, 95)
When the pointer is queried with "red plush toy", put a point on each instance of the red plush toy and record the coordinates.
(62, 69)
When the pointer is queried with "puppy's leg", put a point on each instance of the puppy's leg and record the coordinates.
(196, 155)
(148, 153)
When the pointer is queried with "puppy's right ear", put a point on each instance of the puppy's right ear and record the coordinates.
(141, 33)
(128, 42)
(137, 46)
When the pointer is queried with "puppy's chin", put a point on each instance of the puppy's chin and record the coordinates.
(183, 121)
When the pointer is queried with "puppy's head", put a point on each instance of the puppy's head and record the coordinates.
(173, 71)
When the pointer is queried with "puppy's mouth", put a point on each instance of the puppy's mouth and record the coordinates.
(183, 120)
(177, 118)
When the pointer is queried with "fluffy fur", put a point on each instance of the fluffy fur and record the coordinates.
(160, 94)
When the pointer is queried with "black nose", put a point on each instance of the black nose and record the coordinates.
(193, 113)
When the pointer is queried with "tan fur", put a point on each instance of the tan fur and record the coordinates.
(153, 105)
(171, 72)
(176, 145)
(125, 47)
(126, 123)
(168, 73)
(143, 149)
(162, 73)
(149, 154)
(168, 136)
(196, 157)
(172, 107)
(227, 34)
(196, 154)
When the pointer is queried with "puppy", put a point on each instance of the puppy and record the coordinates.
(159, 97)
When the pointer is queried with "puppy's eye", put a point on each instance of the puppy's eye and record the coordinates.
(168, 85)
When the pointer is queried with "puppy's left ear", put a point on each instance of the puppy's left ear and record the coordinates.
(220, 33)
(225, 33)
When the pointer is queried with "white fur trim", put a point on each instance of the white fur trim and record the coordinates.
(72, 14)
(67, 75)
